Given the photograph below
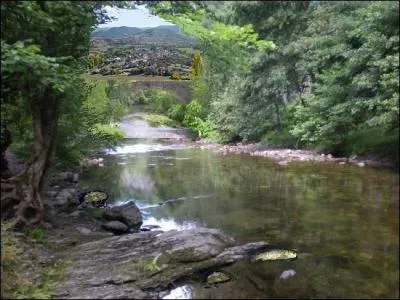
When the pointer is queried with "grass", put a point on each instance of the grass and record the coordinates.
(13, 283)
(156, 120)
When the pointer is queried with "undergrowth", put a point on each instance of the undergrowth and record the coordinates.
(14, 285)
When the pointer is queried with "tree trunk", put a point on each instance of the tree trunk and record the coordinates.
(21, 193)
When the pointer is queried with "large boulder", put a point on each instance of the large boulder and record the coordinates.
(66, 196)
(129, 214)
(138, 266)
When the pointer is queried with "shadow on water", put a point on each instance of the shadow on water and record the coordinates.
(343, 220)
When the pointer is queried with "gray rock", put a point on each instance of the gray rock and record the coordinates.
(65, 196)
(52, 194)
(131, 265)
(67, 176)
(361, 164)
(83, 230)
(75, 178)
(115, 227)
(287, 274)
(75, 214)
(129, 214)
(47, 225)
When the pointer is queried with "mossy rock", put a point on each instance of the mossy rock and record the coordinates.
(217, 277)
(95, 198)
(275, 254)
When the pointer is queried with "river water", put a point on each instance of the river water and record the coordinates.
(343, 220)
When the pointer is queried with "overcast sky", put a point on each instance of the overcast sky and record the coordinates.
(139, 17)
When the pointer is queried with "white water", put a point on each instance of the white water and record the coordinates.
(143, 148)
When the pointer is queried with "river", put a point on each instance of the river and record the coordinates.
(343, 220)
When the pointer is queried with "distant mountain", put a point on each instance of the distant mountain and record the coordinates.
(160, 35)
(113, 32)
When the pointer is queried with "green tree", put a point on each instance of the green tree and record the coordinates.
(42, 43)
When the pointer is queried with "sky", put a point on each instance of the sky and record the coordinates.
(139, 17)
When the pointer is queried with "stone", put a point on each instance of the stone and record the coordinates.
(283, 163)
(66, 196)
(75, 177)
(217, 277)
(67, 176)
(329, 156)
(83, 230)
(115, 227)
(129, 214)
(47, 225)
(361, 164)
(133, 266)
(342, 163)
(75, 214)
(52, 194)
(287, 274)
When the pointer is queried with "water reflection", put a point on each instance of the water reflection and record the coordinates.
(344, 218)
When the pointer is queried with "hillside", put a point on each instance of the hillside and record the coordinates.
(161, 35)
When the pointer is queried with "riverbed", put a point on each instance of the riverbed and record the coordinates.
(342, 219)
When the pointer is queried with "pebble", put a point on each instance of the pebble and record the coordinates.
(287, 274)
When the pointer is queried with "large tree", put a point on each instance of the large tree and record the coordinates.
(42, 43)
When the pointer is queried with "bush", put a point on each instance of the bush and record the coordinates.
(177, 112)
(159, 120)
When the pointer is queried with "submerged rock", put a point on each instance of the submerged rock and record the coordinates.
(287, 274)
(217, 277)
(275, 254)
(140, 265)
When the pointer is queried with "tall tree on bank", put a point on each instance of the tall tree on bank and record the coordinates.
(42, 43)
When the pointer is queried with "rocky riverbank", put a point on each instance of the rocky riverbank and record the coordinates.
(95, 259)
(285, 156)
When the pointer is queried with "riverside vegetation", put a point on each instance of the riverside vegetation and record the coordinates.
(310, 74)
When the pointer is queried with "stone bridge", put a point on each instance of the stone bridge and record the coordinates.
(178, 88)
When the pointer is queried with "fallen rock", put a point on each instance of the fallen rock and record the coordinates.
(140, 265)
(287, 274)
(129, 214)
(116, 227)
(217, 277)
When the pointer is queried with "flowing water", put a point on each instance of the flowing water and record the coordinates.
(343, 220)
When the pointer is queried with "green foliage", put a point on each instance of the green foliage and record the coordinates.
(156, 120)
(331, 83)
(14, 285)
(90, 121)
(355, 93)
(37, 234)
(177, 112)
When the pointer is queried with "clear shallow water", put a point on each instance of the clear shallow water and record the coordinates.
(343, 219)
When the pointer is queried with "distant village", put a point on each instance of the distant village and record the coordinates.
(143, 60)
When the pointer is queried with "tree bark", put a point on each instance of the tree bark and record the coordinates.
(21, 193)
